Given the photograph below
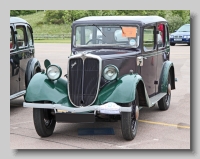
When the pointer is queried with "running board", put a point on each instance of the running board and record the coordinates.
(153, 100)
(19, 94)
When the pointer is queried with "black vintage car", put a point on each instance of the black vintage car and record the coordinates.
(118, 64)
(23, 65)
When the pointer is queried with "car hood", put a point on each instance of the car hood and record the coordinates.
(180, 33)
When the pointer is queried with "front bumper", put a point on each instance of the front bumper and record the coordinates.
(108, 108)
(180, 41)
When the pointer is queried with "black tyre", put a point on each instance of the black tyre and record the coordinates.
(172, 44)
(164, 102)
(129, 121)
(44, 122)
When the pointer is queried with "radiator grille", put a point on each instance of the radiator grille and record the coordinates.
(83, 80)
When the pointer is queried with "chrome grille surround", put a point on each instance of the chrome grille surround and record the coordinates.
(84, 56)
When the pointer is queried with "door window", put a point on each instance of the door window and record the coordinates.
(12, 39)
(161, 36)
(167, 35)
(21, 36)
(148, 38)
(30, 37)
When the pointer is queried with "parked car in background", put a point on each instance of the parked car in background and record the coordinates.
(181, 36)
(108, 78)
(23, 64)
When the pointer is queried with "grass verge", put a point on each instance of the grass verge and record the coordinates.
(68, 41)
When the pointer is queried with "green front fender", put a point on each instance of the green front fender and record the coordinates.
(41, 88)
(120, 91)
(168, 68)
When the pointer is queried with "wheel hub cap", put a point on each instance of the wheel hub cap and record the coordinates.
(136, 112)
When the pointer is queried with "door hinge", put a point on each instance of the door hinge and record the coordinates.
(155, 82)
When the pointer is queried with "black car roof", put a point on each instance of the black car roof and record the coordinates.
(130, 19)
(17, 20)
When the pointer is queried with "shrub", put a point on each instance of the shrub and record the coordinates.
(174, 23)
(54, 16)
(21, 12)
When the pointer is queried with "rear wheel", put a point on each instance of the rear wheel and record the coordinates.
(129, 121)
(44, 121)
(164, 102)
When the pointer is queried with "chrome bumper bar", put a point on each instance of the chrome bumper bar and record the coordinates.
(108, 108)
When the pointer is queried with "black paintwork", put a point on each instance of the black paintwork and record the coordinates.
(21, 59)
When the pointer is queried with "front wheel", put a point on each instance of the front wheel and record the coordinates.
(44, 122)
(129, 121)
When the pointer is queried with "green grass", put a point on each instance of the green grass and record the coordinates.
(53, 41)
(37, 22)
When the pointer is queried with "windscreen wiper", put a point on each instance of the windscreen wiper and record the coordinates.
(99, 29)
(121, 29)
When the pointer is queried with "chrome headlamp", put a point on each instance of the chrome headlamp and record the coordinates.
(54, 72)
(110, 72)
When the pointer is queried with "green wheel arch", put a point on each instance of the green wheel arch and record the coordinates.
(41, 88)
(168, 67)
(123, 90)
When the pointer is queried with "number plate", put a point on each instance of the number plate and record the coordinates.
(178, 39)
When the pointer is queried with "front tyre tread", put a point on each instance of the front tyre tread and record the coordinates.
(39, 123)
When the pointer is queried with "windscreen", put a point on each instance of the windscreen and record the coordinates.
(112, 35)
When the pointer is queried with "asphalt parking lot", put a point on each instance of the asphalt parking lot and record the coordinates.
(157, 129)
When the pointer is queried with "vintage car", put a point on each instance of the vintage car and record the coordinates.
(23, 64)
(109, 78)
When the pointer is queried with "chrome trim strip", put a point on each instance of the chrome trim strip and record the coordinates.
(16, 95)
(83, 56)
(70, 109)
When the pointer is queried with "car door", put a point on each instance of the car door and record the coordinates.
(27, 53)
(149, 68)
(14, 62)
(163, 49)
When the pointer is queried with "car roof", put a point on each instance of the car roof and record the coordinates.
(134, 19)
(17, 20)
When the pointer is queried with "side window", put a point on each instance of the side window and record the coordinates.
(167, 35)
(161, 35)
(21, 36)
(30, 37)
(148, 38)
(12, 38)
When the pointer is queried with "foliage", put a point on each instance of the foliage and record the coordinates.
(22, 12)
(54, 17)
(36, 20)
(174, 23)
(57, 21)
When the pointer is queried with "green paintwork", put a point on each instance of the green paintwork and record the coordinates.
(164, 76)
(47, 63)
(41, 88)
(120, 91)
